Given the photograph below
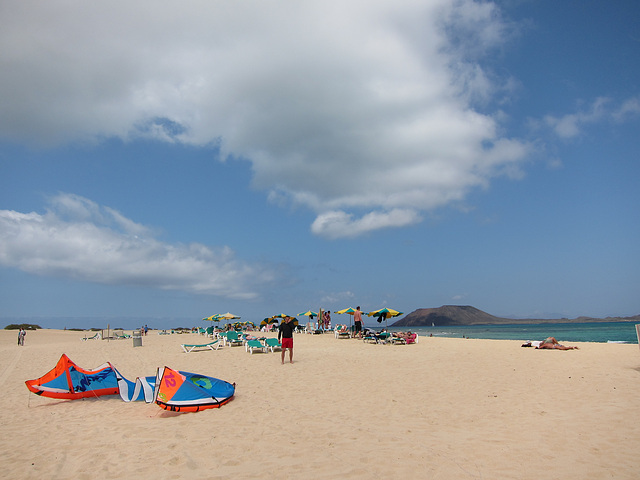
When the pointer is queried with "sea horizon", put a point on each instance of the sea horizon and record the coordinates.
(600, 332)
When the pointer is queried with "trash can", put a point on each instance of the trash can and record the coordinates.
(137, 338)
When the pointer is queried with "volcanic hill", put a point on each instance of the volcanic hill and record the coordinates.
(466, 315)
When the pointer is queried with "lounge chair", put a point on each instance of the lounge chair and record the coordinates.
(232, 338)
(255, 344)
(379, 337)
(342, 331)
(272, 343)
(370, 337)
(120, 336)
(191, 347)
(97, 336)
(407, 339)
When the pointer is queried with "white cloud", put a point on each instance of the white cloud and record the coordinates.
(340, 106)
(338, 224)
(629, 108)
(601, 109)
(335, 297)
(79, 239)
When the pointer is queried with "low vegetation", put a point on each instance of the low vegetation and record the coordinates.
(26, 326)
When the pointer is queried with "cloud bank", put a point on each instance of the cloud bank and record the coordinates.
(79, 239)
(369, 113)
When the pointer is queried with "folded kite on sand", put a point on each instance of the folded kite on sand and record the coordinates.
(170, 389)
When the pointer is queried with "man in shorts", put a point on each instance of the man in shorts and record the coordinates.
(357, 319)
(285, 337)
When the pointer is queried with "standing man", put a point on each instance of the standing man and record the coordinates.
(285, 337)
(357, 319)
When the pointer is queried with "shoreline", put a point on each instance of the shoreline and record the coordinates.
(445, 407)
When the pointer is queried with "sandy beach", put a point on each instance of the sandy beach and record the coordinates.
(441, 409)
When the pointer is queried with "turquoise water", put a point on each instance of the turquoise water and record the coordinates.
(564, 332)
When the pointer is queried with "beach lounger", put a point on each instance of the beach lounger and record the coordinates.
(97, 336)
(406, 340)
(252, 345)
(342, 331)
(272, 343)
(231, 338)
(370, 338)
(191, 347)
(380, 337)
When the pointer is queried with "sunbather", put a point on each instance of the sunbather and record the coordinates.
(552, 344)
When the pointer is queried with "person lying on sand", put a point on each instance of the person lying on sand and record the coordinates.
(552, 344)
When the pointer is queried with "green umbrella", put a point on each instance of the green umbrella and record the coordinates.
(308, 313)
(384, 313)
(351, 311)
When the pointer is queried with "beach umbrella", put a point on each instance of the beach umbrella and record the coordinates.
(384, 313)
(293, 318)
(351, 311)
(212, 318)
(308, 313)
(228, 316)
(268, 321)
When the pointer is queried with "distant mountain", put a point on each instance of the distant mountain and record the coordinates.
(467, 315)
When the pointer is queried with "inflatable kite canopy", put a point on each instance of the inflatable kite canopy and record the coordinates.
(69, 381)
(190, 392)
(170, 389)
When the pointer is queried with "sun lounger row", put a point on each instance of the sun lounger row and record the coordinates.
(263, 345)
(232, 339)
(399, 338)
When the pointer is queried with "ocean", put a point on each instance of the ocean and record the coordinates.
(602, 332)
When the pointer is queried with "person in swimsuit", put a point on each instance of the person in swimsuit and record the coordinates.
(357, 320)
(551, 343)
(285, 337)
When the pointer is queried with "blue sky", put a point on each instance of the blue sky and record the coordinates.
(180, 160)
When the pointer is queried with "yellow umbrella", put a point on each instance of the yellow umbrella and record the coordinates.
(384, 313)
(228, 316)
(282, 315)
(308, 313)
(351, 311)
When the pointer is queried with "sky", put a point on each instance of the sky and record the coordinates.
(172, 160)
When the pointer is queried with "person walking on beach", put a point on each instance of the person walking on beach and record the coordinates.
(357, 320)
(285, 337)
(21, 334)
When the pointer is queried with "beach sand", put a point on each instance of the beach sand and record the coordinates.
(441, 409)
